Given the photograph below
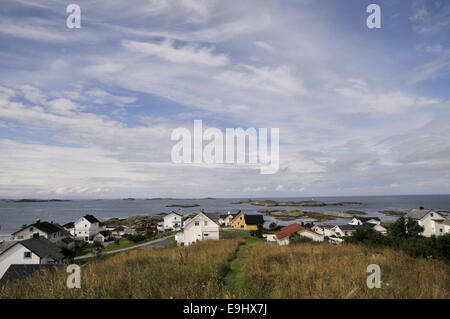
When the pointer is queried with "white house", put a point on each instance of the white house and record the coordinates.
(36, 250)
(160, 226)
(198, 228)
(225, 220)
(325, 230)
(52, 231)
(432, 222)
(358, 220)
(283, 236)
(86, 227)
(102, 236)
(344, 230)
(376, 227)
(172, 221)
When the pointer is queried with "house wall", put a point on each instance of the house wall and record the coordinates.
(84, 228)
(431, 227)
(308, 234)
(28, 232)
(172, 221)
(199, 228)
(15, 255)
(239, 222)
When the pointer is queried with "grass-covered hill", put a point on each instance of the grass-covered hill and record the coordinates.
(241, 266)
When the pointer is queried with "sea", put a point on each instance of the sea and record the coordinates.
(15, 214)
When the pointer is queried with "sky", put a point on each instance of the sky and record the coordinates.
(89, 112)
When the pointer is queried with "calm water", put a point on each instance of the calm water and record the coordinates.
(13, 215)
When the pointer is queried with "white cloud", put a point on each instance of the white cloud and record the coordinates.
(184, 54)
(276, 80)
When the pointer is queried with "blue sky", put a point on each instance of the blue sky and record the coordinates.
(88, 113)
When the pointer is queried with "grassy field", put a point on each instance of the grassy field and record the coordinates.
(191, 272)
(241, 266)
(327, 271)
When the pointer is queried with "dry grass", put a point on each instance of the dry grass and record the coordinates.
(326, 271)
(191, 272)
(270, 271)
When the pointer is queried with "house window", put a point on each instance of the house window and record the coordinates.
(205, 235)
(431, 214)
(240, 218)
(85, 226)
(27, 254)
(197, 224)
(206, 223)
(31, 229)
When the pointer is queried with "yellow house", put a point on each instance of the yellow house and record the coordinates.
(247, 222)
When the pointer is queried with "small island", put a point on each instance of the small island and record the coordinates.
(28, 200)
(183, 205)
(293, 214)
(304, 203)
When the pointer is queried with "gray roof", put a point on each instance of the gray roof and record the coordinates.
(348, 227)
(91, 219)
(42, 247)
(365, 219)
(16, 272)
(418, 213)
(324, 226)
(254, 219)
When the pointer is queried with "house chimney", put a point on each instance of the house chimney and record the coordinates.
(38, 221)
(421, 207)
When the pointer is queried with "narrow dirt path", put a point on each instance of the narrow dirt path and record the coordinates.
(234, 280)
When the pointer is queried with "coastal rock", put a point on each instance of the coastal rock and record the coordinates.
(305, 203)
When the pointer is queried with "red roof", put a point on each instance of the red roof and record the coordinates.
(291, 229)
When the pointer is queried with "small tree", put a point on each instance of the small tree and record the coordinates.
(413, 229)
(398, 229)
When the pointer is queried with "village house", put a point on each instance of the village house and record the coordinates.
(102, 236)
(344, 230)
(283, 236)
(433, 223)
(86, 227)
(323, 229)
(247, 222)
(122, 231)
(52, 231)
(70, 227)
(198, 228)
(172, 221)
(36, 250)
(225, 220)
(357, 220)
